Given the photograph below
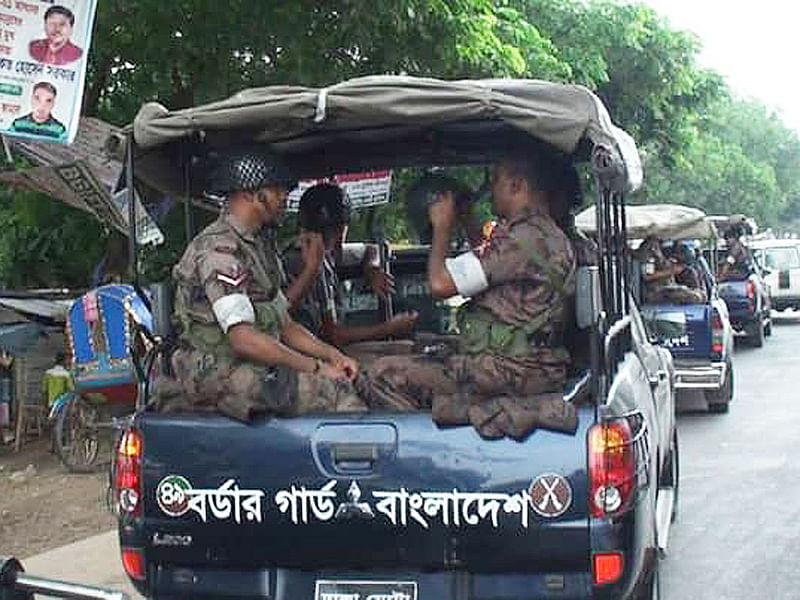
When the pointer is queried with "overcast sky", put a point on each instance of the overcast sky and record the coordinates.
(753, 44)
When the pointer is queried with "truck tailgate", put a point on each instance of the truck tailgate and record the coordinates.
(695, 338)
(378, 491)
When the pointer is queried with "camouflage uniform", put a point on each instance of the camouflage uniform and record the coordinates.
(737, 262)
(227, 262)
(510, 333)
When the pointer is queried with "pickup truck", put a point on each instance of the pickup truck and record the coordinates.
(698, 335)
(748, 302)
(386, 505)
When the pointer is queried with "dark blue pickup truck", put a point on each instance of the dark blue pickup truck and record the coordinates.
(388, 505)
(693, 324)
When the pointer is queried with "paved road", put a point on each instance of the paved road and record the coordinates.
(738, 528)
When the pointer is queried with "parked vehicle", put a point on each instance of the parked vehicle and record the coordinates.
(780, 261)
(699, 335)
(107, 341)
(389, 504)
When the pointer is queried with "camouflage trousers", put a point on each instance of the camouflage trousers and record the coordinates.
(244, 390)
(499, 395)
(675, 294)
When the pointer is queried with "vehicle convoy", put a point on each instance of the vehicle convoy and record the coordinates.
(694, 327)
(388, 504)
(744, 288)
(780, 260)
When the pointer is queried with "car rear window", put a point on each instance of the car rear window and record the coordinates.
(782, 259)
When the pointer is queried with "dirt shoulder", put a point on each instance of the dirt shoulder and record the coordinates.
(43, 506)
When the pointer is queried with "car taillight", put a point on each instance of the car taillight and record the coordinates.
(717, 335)
(612, 464)
(607, 567)
(128, 478)
(751, 290)
(133, 563)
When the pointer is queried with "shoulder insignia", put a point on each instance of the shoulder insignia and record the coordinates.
(233, 281)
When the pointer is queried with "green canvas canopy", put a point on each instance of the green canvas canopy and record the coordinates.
(664, 221)
(379, 122)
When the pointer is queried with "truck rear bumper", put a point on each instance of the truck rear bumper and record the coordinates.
(290, 584)
(694, 376)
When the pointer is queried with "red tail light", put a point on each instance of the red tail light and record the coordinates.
(612, 464)
(751, 290)
(607, 567)
(128, 478)
(717, 333)
(133, 563)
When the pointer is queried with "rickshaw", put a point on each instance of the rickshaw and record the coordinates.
(111, 351)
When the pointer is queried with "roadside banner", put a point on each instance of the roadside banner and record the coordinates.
(44, 49)
(370, 188)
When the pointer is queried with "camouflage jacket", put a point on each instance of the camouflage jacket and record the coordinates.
(224, 265)
(529, 265)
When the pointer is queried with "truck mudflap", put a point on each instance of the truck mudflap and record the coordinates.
(699, 374)
(391, 492)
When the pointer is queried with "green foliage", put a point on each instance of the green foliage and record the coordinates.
(45, 243)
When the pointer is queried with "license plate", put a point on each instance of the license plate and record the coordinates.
(365, 590)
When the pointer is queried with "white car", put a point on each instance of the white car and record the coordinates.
(780, 259)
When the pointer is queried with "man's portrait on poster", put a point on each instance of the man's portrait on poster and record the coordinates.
(56, 48)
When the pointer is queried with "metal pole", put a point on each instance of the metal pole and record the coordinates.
(61, 589)
(134, 263)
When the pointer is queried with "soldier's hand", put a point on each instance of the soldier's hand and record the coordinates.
(402, 323)
(333, 372)
(349, 366)
(381, 282)
(442, 212)
(312, 249)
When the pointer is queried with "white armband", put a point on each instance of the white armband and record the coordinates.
(233, 309)
(467, 273)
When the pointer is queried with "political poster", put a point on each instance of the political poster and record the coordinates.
(44, 48)
(364, 189)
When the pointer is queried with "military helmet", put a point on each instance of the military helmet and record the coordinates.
(248, 169)
(424, 192)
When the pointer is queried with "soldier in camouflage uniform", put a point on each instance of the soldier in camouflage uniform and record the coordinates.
(737, 263)
(240, 352)
(510, 330)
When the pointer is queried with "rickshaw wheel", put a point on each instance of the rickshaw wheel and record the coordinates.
(77, 436)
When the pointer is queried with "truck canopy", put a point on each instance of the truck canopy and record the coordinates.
(384, 121)
(664, 221)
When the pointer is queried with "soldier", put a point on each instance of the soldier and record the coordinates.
(313, 294)
(511, 328)
(659, 271)
(240, 352)
(738, 261)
